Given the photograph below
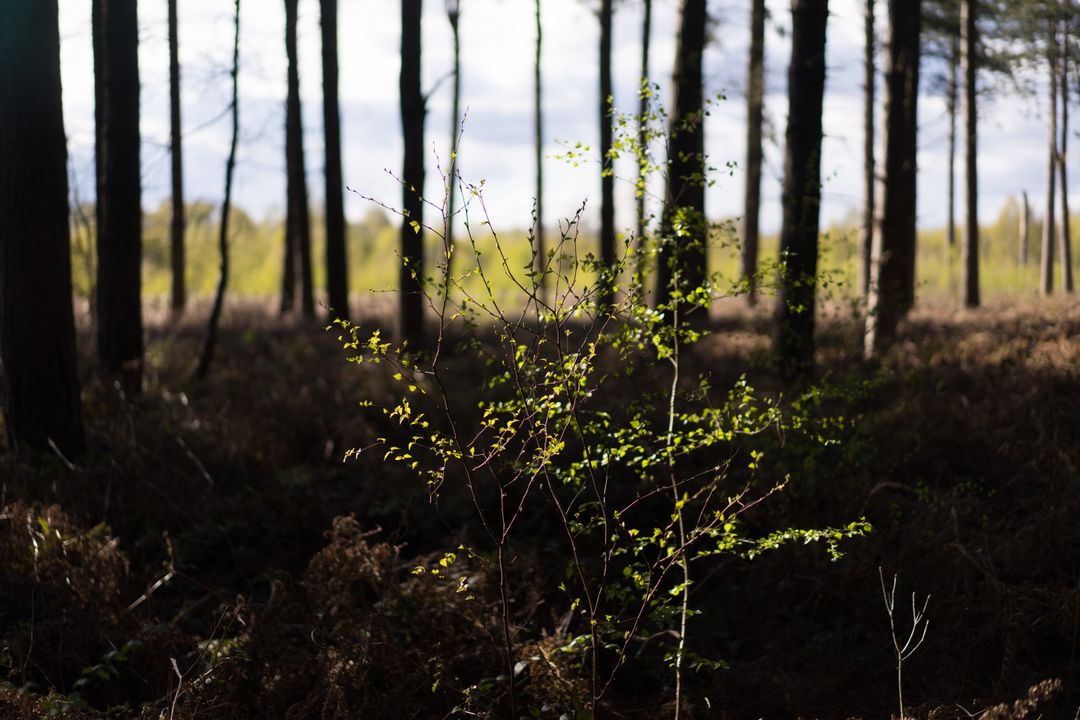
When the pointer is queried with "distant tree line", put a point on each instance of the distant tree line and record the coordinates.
(37, 337)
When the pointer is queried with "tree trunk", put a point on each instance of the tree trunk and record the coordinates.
(644, 94)
(952, 103)
(226, 207)
(453, 12)
(1025, 230)
(538, 147)
(869, 139)
(755, 101)
(1046, 262)
(176, 228)
(682, 260)
(337, 266)
(288, 267)
(119, 210)
(1063, 172)
(893, 265)
(969, 40)
(412, 231)
(37, 326)
(297, 220)
(802, 187)
(607, 177)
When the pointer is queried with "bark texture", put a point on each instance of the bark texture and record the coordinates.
(682, 260)
(37, 327)
(1046, 261)
(297, 214)
(453, 13)
(412, 121)
(802, 187)
(866, 243)
(755, 103)
(119, 192)
(178, 296)
(541, 262)
(1063, 168)
(337, 265)
(643, 143)
(607, 177)
(969, 43)
(893, 264)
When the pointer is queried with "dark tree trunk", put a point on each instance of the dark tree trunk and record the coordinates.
(607, 179)
(176, 228)
(1063, 172)
(952, 103)
(802, 187)
(37, 327)
(755, 102)
(119, 210)
(453, 13)
(869, 138)
(288, 268)
(643, 144)
(297, 220)
(1025, 229)
(412, 230)
(541, 261)
(682, 263)
(969, 41)
(893, 267)
(226, 207)
(1046, 263)
(337, 266)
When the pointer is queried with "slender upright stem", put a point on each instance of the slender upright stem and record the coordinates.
(643, 142)
(755, 104)
(178, 296)
(1063, 173)
(969, 41)
(538, 147)
(869, 139)
(226, 206)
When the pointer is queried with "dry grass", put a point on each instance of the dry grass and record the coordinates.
(963, 451)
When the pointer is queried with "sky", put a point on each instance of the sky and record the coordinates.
(497, 41)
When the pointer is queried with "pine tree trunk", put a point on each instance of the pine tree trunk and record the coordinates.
(178, 297)
(643, 145)
(755, 102)
(892, 267)
(453, 11)
(337, 265)
(607, 179)
(952, 102)
(1063, 172)
(226, 208)
(1046, 261)
(297, 220)
(119, 210)
(682, 257)
(969, 40)
(1025, 230)
(869, 139)
(412, 119)
(802, 188)
(37, 327)
(541, 264)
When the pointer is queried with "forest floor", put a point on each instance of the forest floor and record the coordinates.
(201, 561)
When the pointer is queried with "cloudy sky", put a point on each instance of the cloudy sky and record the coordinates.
(497, 39)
